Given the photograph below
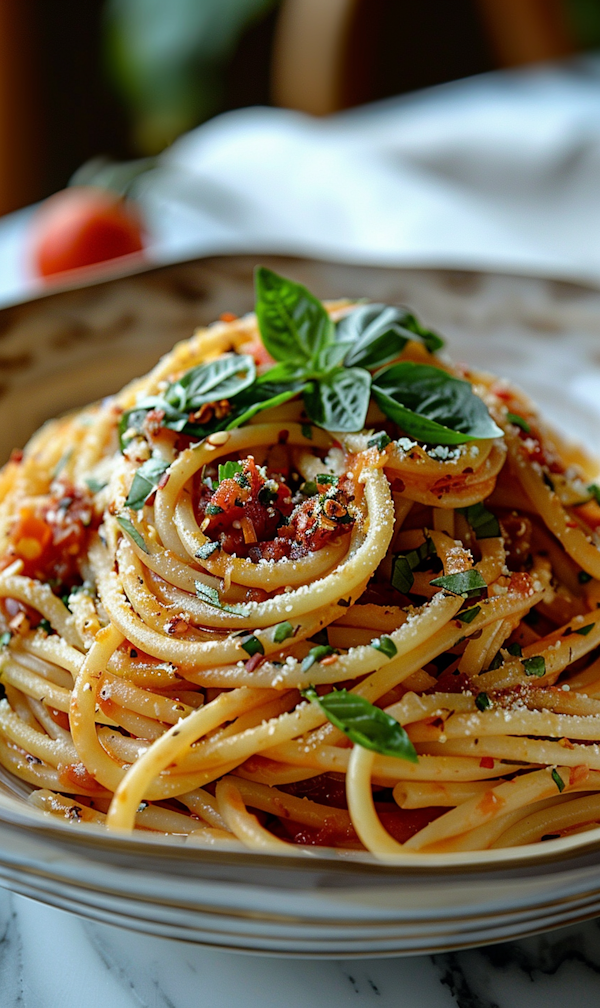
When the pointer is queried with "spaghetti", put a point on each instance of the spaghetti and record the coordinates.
(305, 583)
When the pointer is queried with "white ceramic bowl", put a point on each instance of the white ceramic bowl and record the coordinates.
(65, 349)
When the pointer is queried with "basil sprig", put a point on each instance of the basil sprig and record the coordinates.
(330, 366)
(145, 482)
(364, 723)
(431, 405)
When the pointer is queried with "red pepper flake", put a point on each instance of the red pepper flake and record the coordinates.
(283, 436)
(164, 479)
(486, 762)
(227, 316)
(16, 455)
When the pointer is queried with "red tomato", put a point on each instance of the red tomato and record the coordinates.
(83, 225)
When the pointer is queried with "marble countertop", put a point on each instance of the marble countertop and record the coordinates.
(53, 959)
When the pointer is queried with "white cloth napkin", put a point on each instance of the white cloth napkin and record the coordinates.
(500, 171)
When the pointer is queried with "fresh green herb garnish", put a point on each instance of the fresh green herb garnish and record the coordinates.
(548, 481)
(145, 482)
(95, 485)
(482, 701)
(207, 549)
(466, 583)
(316, 654)
(484, 524)
(558, 780)
(377, 333)
(282, 631)
(468, 615)
(212, 598)
(306, 431)
(45, 625)
(583, 577)
(594, 490)
(431, 405)
(229, 470)
(402, 575)
(213, 509)
(132, 532)
(385, 645)
(364, 724)
(518, 421)
(583, 631)
(309, 488)
(252, 645)
(379, 441)
(515, 650)
(222, 378)
(535, 666)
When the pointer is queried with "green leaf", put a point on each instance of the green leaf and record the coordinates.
(482, 701)
(222, 378)
(95, 485)
(518, 421)
(207, 549)
(466, 583)
(145, 482)
(229, 470)
(385, 645)
(309, 488)
(261, 404)
(46, 626)
(484, 524)
(252, 645)
(316, 654)
(293, 324)
(402, 575)
(132, 532)
(282, 631)
(339, 402)
(212, 598)
(468, 615)
(365, 724)
(558, 780)
(378, 333)
(515, 650)
(306, 431)
(584, 630)
(432, 406)
(379, 441)
(583, 577)
(535, 666)
(594, 490)
(213, 509)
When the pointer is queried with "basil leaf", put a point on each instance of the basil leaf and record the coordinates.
(558, 780)
(482, 701)
(282, 631)
(315, 655)
(365, 724)
(583, 631)
(379, 441)
(207, 549)
(219, 379)
(96, 486)
(515, 650)
(252, 645)
(466, 583)
(339, 402)
(519, 421)
(468, 615)
(535, 666)
(484, 524)
(293, 324)
(583, 577)
(131, 531)
(402, 575)
(211, 597)
(385, 645)
(229, 470)
(431, 405)
(260, 404)
(594, 490)
(145, 482)
(378, 333)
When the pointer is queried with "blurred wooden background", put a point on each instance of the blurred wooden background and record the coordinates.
(58, 108)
